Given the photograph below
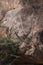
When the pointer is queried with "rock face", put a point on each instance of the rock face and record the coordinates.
(26, 23)
(6, 5)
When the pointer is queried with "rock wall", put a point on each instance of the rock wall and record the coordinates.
(25, 23)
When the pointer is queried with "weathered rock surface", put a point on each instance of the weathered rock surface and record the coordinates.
(6, 5)
(26, 23)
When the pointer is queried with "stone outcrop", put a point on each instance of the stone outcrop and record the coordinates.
(26, 24)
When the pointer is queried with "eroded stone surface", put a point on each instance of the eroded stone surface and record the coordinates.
(26, 23)
(6, 5)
